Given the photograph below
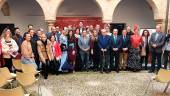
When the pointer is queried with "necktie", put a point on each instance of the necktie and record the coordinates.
(124, 38)
(115, 39)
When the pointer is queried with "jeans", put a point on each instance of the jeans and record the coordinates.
(28, 61)
(104, 61)
(85, 59)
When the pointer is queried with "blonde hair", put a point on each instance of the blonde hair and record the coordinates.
(4, 33)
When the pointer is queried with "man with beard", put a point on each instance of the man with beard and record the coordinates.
(18, 38)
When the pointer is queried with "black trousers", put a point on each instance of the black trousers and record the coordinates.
(96, 61)
(166, 58)
(45, 69)
(156, 56)
(54, 66)
(8, 63)
(115, 58)
(37, 61)
(78, 65)
(146, 60)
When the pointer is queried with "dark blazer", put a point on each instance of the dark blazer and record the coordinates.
(159, 42)
(104, 42)
(116, 44)
(125, 43)
(81, 29)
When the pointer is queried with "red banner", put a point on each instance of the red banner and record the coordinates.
(74, 21)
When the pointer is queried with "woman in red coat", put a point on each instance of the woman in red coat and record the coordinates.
(71, 48)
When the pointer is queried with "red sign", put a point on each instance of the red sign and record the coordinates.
(74, 21)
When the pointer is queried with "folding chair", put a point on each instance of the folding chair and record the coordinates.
(17, 64)
(4, 71)
(162, 77)
(29, 68)
(13, 92)
(4, 81)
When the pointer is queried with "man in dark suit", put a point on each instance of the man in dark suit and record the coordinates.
(156, 44)
(125, 39)
(116, 46)
(129, 32)
(104, 45)
(81, 27)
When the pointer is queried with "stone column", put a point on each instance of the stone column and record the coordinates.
(50, 23)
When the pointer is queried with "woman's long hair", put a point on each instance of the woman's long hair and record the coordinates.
(148, 34)
(4, 33)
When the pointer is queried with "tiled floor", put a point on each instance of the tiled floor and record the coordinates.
(96, 84)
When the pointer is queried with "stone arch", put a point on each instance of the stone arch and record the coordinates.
(31, 13)
(154, 8)
(149, 5)
(97, 5)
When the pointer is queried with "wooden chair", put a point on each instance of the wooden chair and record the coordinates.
(17, 64)
(163, 76)
(13, 92)
(29, 68)
(26, 79)
(3, 81)
(4, 71)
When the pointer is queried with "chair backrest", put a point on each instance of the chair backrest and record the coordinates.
(17, 64)
(28, 68)
(4, 71)
(3, 80)
(12, 92)
(25, 79)
(163, 75)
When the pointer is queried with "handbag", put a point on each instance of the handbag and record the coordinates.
(143, 52)
(63, 47)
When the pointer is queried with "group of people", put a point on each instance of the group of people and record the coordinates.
(85, 48)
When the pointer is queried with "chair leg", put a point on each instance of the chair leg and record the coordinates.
(39, 85)
(150, 81)
(166, 87)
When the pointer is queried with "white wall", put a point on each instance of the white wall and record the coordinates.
(134, 12)
(24, 12)
(79, 8)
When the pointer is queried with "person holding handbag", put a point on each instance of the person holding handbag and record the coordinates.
(145, 48)
(64, 66)
(9, 48)
(45, 52)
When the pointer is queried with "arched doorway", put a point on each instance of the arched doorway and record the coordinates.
(134, 12)
(22, 13)
(87, 11)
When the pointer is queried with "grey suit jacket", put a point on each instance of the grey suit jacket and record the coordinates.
(159, 42)
(84, 44)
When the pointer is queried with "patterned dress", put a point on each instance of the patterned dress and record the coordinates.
(134, 56)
